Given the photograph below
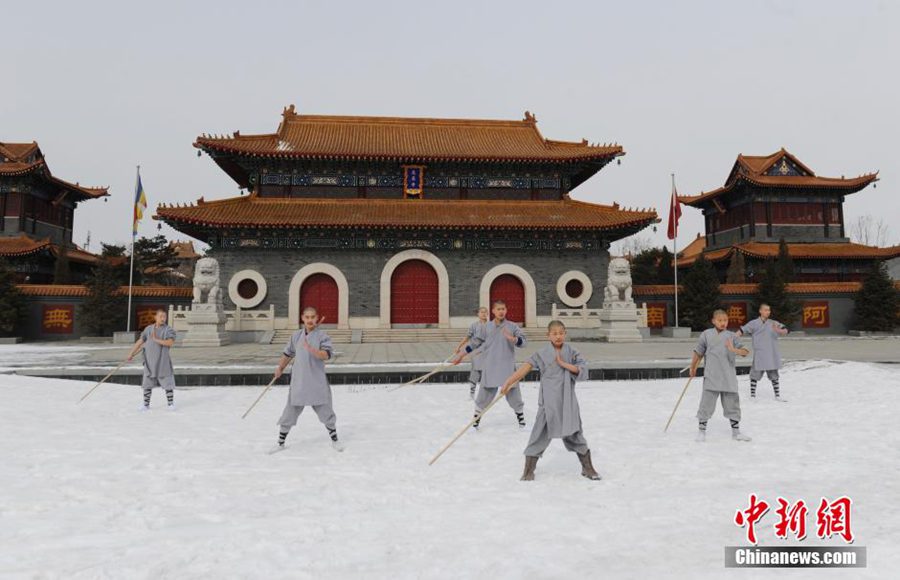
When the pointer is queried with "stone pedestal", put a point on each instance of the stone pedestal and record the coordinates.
(125, 337)
(619, 322)
(206, 326)
(676, 331)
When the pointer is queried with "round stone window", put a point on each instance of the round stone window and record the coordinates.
(247, 289)
(574, 288)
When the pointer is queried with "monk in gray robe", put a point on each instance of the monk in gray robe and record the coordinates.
(764, 333)
(558, 415)
(475, 338)
(719, 346)
(498, 361)
(156, 340)
(310, 347)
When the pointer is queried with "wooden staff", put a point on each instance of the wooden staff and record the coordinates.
(683, 391)
(103, 380)
(259, 398)
(464, 429)
(423, 378)
(262, 394)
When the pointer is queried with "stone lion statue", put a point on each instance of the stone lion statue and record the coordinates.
(618, 281)
(206, 281)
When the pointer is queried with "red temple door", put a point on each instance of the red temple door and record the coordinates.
(321, 292)
(510, 289)
(414, 293)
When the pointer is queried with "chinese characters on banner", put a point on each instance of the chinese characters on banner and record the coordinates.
(737, 314)
(58, 318)
(832, 518)
(413, 180)
(815, 314)
(146, 315)
(656, 314)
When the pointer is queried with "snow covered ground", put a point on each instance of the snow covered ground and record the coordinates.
(27, 355)
(100, 490)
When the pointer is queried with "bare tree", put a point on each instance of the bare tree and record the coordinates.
(870, 231)
(631, 246)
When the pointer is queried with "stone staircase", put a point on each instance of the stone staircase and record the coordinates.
(431, 334)
(412, 335)
(337, 336)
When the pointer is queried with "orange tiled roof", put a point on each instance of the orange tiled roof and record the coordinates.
(407, 139)
(184, 250)
(742, 289)
(75, 290)
(22, 245)
(812, 250)
(693, 249)
(252, 211)
(76, 254)
(17, 151)
(755, 170)
(23, 158)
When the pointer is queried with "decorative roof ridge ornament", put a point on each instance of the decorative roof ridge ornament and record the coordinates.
(530, 117)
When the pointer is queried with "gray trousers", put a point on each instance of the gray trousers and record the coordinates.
(756, 375)
(474, 376)
(540, 440)
(168, 383)
(731, 405)
(487, 394)
(291, 413)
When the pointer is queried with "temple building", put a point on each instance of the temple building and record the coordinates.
(769, 198)
(38, 211)
(385, 222)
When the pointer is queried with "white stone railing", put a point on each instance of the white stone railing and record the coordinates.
(585, 317)
(235, 320)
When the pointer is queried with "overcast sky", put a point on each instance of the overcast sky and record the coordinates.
(683, 86)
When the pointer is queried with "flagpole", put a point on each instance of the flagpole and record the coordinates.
(672, 205)
(137, 181)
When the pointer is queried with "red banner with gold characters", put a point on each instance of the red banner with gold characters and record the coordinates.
(58, 319)
(815, 314)
(737, 314)
(657, 314)
(413, 180)
(146, 315)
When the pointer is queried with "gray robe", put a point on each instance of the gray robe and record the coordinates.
(719, 373)
(497, 354)
(766, 355)
(475, 336)
(309, 385)
(557, 403)
(158, 370)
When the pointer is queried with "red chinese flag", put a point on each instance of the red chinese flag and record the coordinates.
(674, 214)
